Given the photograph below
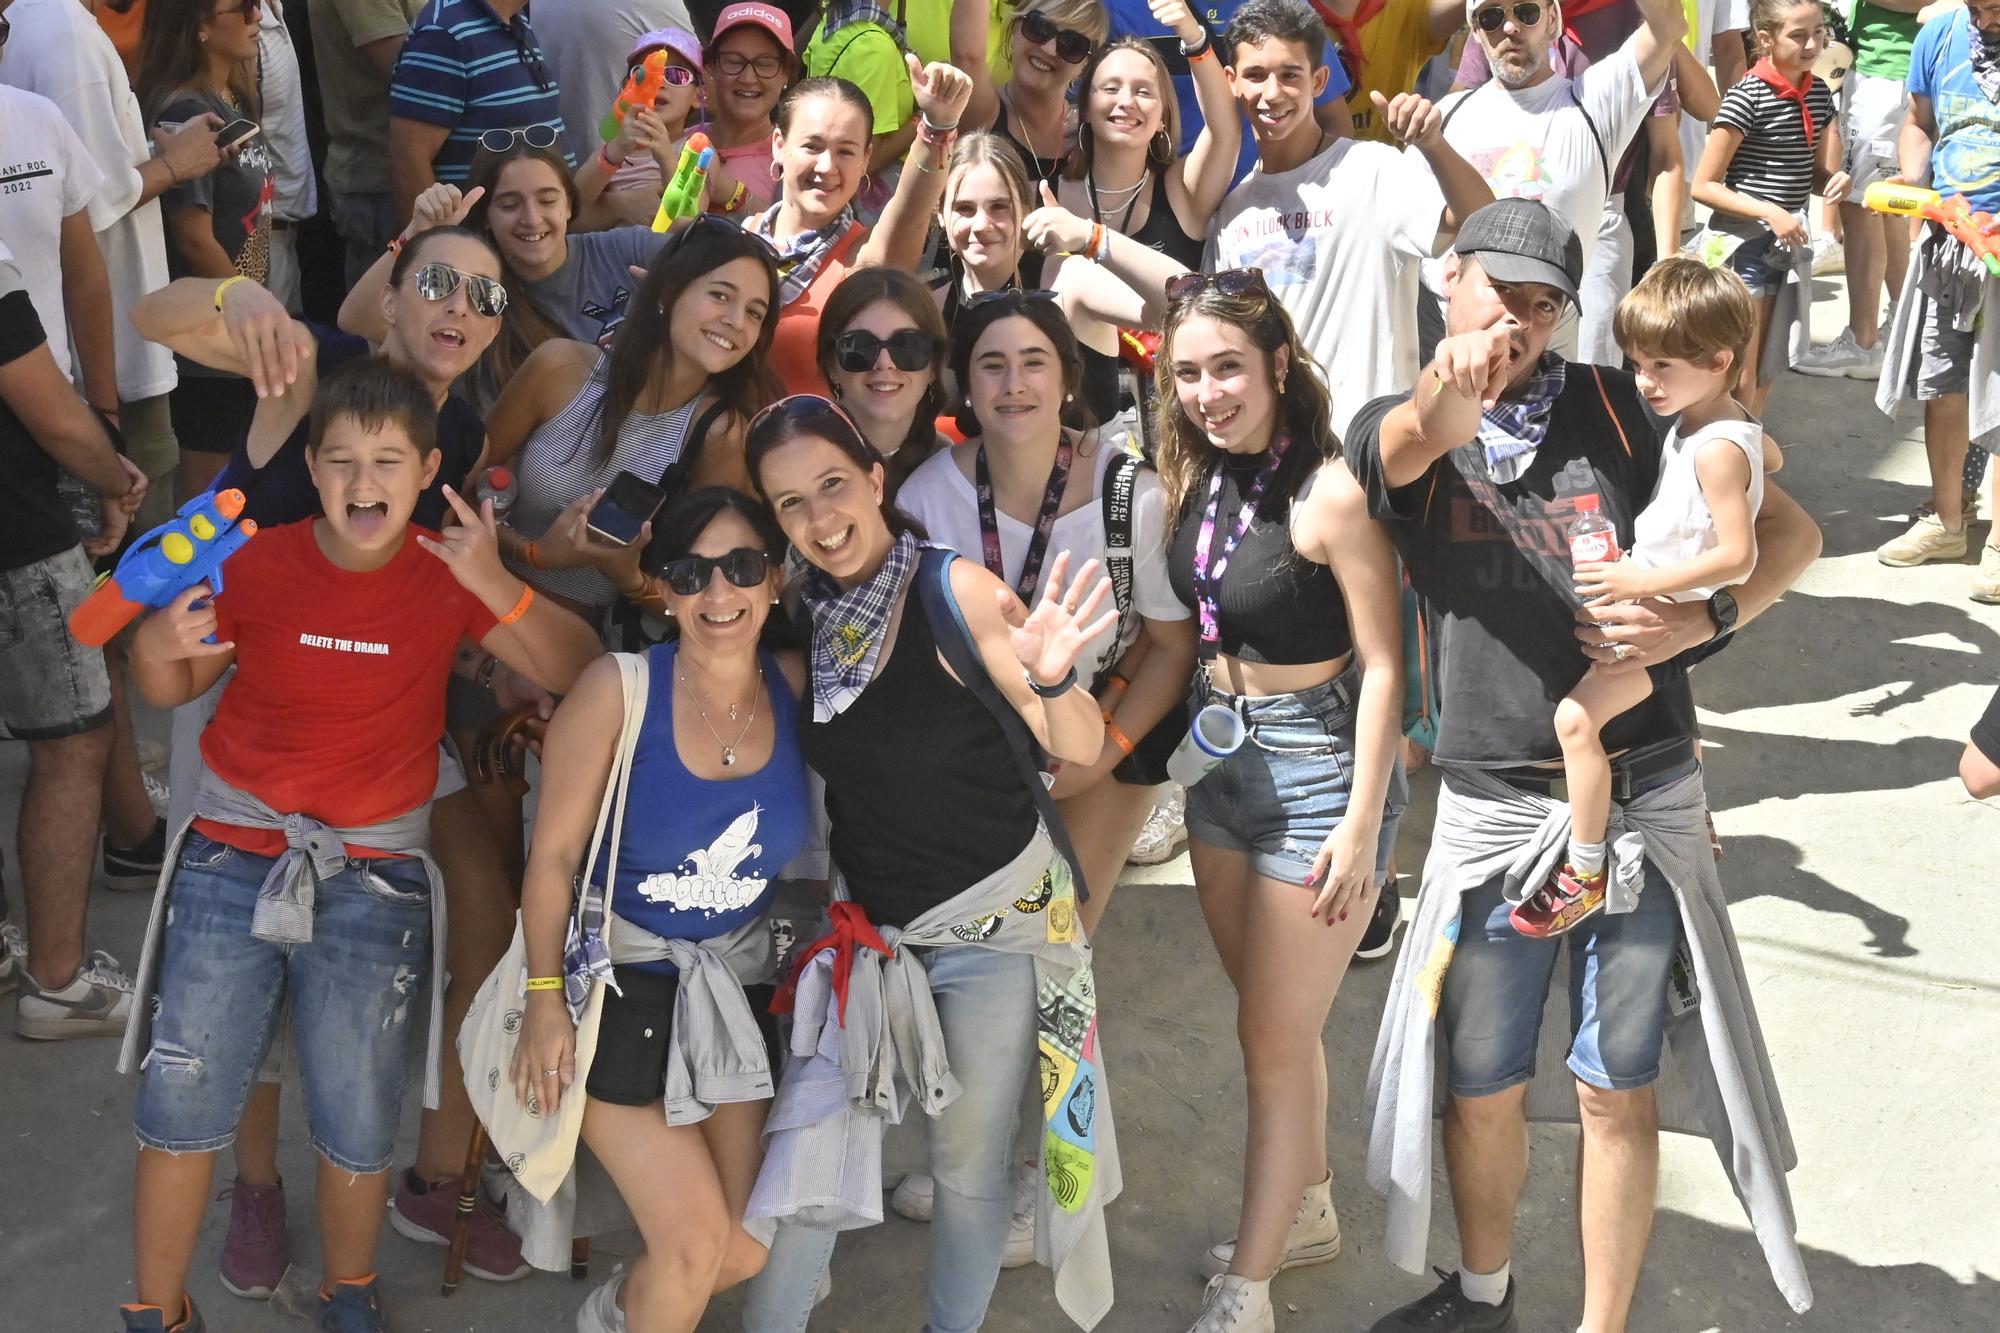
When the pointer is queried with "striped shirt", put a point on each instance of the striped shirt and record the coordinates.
(1774, 162)
(463, 69)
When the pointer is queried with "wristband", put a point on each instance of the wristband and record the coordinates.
(530, 552)
(736, 199)
(604, 159)
(1200, 49)
(545, 983)
(1093, 249)
(1118, 738)
(924, 123)
(1055, 691)
(395, 245)
(224, 286)
(520, 607)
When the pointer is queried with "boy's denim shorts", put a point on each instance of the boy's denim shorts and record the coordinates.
(356, 991)
(1284, 792)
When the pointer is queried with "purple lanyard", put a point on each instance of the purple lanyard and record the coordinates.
(1045, 521)
(1207, 578)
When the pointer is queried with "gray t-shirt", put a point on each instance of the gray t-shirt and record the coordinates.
(586, 42)
(587, 295)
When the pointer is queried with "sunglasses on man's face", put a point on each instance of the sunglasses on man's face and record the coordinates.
(1229, 282)
(1527, 14)
(487, 296)
(535, 136)
(688, 575)
(857, 350)
(1040, 30)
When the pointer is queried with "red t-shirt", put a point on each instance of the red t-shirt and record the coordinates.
(337, 706)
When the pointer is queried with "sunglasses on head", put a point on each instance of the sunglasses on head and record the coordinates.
(1527, 14)
(857, 350)
(436, 281)
(1229, 282)
(810, 409)
(535, 136)
(1016, 296)
(688, 575)
(1073, 46)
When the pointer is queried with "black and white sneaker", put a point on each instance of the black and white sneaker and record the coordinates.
(1450, 1310)
(136, 869)
(1379, 940)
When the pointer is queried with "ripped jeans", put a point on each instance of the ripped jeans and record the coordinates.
(356, 992)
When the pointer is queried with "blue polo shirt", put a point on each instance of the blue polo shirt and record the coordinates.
(464, 69)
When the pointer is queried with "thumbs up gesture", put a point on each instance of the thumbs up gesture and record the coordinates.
(1053, 229)
(941, 91)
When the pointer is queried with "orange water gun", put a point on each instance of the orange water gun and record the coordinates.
(642, 88)
(1973, 230)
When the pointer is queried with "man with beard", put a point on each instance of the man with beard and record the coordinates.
(1477, 474)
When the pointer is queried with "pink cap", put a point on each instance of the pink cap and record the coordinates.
(757, 15)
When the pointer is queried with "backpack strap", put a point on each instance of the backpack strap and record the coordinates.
(1121, 479)
(1596, 139)
(674, 480)
(961, 654)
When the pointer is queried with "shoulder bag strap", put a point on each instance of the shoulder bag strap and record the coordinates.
(593, 901)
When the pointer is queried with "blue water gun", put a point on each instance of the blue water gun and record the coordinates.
(187, 549)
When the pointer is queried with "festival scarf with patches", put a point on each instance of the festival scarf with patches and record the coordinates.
(848, 627)
(1513, 429)
(1774, 79)
(890, 1050)
(801, 257)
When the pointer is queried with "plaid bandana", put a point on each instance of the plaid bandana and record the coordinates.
(1985, 63)
(848, 627)
(800, 257)
(1513, 429)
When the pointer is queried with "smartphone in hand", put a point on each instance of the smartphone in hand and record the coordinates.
(627, 505)
(237, 133)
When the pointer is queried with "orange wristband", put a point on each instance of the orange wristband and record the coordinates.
(520, 607)
(1118, 738)
(530, 554)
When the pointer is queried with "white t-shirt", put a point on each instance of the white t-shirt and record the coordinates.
(1338, 239)
(57, 50)
(939, 496)
(284, 117)
(45, 175)
(1535, 143)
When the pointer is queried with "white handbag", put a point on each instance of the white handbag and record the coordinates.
(540, 1149)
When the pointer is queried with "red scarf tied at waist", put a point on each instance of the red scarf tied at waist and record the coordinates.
(851, 931)
(1779, 85)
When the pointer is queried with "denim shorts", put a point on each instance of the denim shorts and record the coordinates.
(51, 686)
(356, 991)
(1282, 794)
(1762, 271)
(1619, 967)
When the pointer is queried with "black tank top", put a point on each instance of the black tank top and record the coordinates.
(1163, 231)
(1275, 605)
(921, 787)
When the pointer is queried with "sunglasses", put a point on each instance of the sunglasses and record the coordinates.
(6, 29)
(1018, 297)
(247, 11)
(678, 75)
(535, 136)
(731, 64)
(1229, 282)
(821, 414)
(688, 575)
(857, 350)
(1040, 30)
(1527, 14)
(436, 281)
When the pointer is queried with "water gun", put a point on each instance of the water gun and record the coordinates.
(1973, 230)
(185, 550)
(682, 197)
(642, 88)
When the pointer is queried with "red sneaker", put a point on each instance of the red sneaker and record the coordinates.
(423, 1211)
(1559, 905)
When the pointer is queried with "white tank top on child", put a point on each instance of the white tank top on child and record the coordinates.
(1676, 524)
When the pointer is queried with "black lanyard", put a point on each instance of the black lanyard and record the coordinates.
(1045, 521)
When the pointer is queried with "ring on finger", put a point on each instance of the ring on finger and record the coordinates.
(550, 1073)
(1620, 651)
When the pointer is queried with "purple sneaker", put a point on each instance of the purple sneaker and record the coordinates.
(423, 1211)
(256, 1253)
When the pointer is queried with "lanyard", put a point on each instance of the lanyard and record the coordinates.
(1045, 521)
(1207, 577)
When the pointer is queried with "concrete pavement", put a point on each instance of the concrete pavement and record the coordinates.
(1858, 870)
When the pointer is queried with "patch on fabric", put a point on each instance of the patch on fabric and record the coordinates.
(850, 645)
(979, 928)
(1070, 1171)
(1430, 978)
(1061, 889)
(1683, 995)
(1037, 898)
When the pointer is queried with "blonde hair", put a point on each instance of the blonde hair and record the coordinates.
(1165, 142)
(1686, 310)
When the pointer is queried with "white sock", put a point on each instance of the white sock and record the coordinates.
(1486, 1288)
(1586, 858)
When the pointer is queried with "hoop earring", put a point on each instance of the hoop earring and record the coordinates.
(1163, 147)
(777, 174)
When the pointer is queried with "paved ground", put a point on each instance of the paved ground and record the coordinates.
(1858, 868)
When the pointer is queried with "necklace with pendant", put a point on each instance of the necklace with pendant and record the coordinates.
(728, 747)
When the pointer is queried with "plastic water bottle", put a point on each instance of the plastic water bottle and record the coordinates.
(498, 486)
(1591, 536)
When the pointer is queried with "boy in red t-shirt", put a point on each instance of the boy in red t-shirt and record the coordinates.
(304, 873)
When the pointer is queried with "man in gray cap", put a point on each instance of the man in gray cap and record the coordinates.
(1477, 475)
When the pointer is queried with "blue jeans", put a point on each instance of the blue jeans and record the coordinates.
(986, 1006)
(353, 989)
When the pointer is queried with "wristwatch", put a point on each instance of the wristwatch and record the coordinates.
(1722, 610)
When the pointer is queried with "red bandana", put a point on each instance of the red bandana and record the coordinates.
(851, 931)
(1768, 72)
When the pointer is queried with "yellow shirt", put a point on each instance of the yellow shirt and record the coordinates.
(1395, 43)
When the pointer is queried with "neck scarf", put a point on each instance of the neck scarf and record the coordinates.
(1514, 428)
(1985, 61)
(848, 627)
(801, 257)
(1776, 81)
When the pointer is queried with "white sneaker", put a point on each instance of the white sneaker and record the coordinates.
(1235, 1304)
(1829, 256)
(1842, 358)
(599, 1312)
(1165, 830)
(913, 1196)
(95, 1004)
(13, 948)
(1313, 1239)
(1927, 539)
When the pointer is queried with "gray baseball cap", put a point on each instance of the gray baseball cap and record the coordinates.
(1523, 240)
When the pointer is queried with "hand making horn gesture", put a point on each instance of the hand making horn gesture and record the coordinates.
(471, 549)
(1047, 640)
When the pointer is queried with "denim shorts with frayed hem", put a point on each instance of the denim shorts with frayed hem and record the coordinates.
(356, 992)
(51, 686)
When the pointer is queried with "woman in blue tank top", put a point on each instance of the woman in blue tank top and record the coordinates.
(717, 805)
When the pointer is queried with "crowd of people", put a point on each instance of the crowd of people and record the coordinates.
(1063, 428)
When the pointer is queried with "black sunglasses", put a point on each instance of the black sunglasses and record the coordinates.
(1527, 14)
(1016, 296)
(535, 136)
(1040, 30)
(687, 575)
(1229, 282)
(6, 29)
(857, 350)
(436, 281)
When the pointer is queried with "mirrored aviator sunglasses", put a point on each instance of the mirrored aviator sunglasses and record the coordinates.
(1527, 14)
(487, 295)
(535, 136)
(687, 575)
(857, 350)
(1229, 282)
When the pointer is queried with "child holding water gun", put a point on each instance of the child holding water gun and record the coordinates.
(622, 181)
(1775, 143)
(1685, 327)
